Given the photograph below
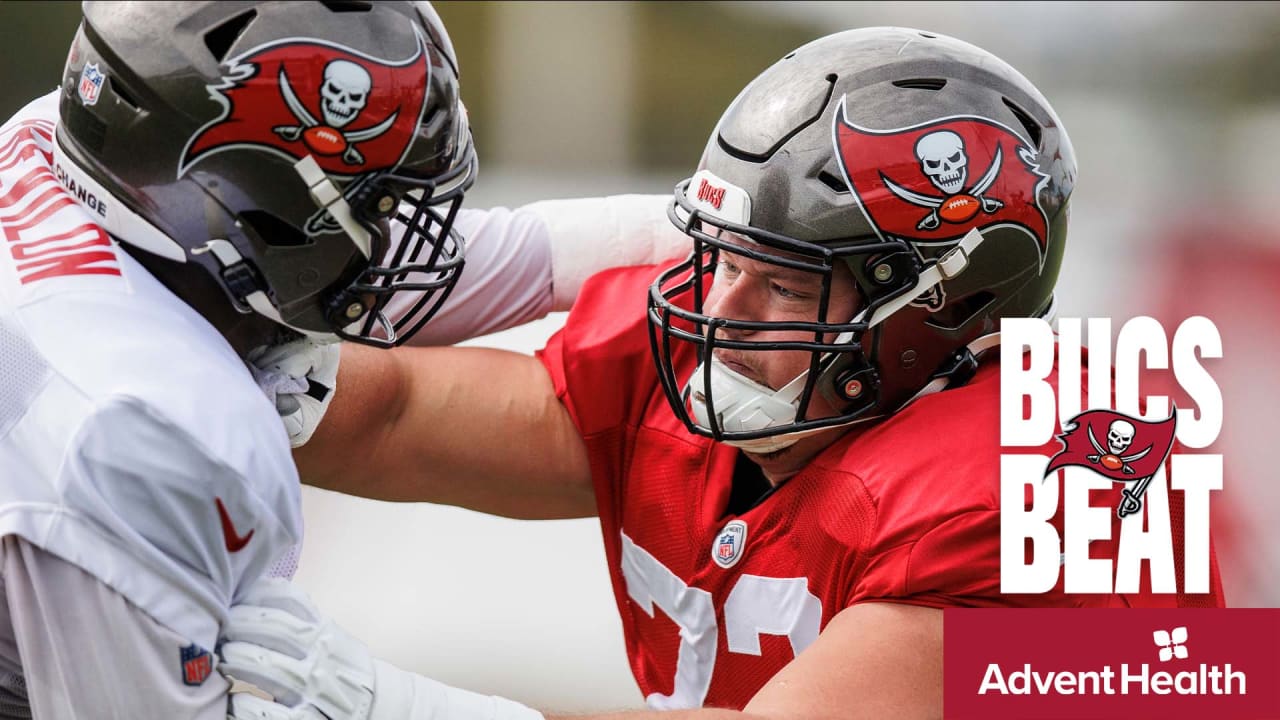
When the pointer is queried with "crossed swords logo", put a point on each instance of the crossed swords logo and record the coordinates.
(292, 133)
(930, 221)
(1111, 459)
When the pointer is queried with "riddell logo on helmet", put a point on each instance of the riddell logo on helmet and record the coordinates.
(710, 194)
(353, 113)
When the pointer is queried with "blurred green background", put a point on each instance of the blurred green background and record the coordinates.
(620, 89)
(675, 59)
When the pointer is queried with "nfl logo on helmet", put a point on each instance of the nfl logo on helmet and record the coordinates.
(91, 79)
(727, 549)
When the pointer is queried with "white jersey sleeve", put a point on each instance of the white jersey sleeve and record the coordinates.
(134, 442)
(524, 263)
(88, 653)
(505, 282)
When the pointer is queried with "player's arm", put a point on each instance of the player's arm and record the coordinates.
(473, 427)
(525, 262)
(520, 265)
(873, 661)
(73, 631)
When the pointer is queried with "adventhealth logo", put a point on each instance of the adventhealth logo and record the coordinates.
(1129, 680)
(1172, 643)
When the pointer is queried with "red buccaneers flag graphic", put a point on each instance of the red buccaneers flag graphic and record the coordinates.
(352, 112)
(936, 181)
(1118, 447)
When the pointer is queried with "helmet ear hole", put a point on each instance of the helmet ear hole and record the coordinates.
(1028, 123)
(220, 39)
(272, 231)
(957, 313)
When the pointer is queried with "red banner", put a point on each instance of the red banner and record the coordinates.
(1166, 663)
(1115, 445)
(936, 181)
(353, 113)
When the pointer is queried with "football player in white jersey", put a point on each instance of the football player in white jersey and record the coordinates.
(213, 182)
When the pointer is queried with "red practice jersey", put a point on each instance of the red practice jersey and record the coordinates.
(713, 604)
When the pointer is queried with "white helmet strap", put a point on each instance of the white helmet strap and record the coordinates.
(329, 198)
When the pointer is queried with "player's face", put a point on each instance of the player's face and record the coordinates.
(747, 289)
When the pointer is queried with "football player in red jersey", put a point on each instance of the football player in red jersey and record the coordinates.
(791, 438)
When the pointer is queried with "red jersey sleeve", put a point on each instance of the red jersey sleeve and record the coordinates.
(956, 563)
(602, 371)
(599, 361)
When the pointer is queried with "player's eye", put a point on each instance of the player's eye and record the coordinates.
(788, 293)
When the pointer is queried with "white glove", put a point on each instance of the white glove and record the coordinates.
(300, 377)
(277, 641)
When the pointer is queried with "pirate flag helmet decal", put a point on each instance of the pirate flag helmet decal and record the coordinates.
(923, 171)
(296, 97)
(304, 162)
(934, 182)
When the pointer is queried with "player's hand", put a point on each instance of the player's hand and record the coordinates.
(300, 378)
(278, 642)
(286, 661)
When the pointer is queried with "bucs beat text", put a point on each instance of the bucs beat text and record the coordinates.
(1029, 499)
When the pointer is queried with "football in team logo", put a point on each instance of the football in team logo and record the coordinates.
(1118, 447)
(91, 79)
(933, 182)
(729, 544)
(197, 664)
(350, 111)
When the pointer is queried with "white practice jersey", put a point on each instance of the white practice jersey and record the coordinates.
(134, 442)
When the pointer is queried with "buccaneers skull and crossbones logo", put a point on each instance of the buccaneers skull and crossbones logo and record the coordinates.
(964, 172)
(1119, 438)
(1116, 459)
(351, 111)
(343, 95)
(945, 162)
(914, 183)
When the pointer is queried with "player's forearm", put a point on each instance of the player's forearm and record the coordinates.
(472, 427)
(366, 402)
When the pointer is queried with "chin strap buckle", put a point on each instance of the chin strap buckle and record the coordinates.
(958, 369)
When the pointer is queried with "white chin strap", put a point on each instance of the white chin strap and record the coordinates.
(743, 405)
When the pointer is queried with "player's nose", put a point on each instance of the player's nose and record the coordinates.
(735, 301)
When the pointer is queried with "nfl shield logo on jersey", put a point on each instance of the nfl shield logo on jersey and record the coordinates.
(727, 549)
(91, 79)
(197, 664)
